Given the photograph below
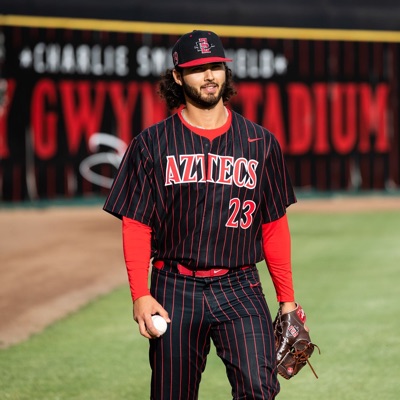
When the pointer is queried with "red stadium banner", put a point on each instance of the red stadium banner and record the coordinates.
(72, 99)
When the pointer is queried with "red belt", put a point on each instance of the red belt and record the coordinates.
(209, 273)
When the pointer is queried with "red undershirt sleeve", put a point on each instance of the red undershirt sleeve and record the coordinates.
(277, 252)
(136, 239)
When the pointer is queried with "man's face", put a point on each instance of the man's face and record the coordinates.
(204, 85)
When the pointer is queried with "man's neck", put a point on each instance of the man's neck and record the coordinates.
(205, 118)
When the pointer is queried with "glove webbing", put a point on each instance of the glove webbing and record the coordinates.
(301, 357)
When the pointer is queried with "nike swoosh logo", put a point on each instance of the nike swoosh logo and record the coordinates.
(254, 140)
(216, 271)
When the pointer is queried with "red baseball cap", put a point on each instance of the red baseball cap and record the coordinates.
(197, 48)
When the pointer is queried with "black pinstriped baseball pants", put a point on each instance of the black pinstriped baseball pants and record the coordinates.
(229, 310)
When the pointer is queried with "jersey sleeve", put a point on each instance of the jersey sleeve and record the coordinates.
(131, 193)
(279, 193)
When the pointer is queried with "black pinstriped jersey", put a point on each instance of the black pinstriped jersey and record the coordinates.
(205, 201)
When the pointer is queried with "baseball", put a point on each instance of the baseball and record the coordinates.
(160, 323)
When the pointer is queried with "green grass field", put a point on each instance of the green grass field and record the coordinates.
(346, 272)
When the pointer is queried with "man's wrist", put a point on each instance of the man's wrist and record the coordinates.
(287, 306)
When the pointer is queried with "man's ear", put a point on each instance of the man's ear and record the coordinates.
(177, 76)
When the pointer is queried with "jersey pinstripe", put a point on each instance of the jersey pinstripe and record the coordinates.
(204, 201)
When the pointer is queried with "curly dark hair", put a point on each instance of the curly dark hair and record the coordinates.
(173, 95)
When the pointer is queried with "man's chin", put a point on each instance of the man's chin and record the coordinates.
(209, 101)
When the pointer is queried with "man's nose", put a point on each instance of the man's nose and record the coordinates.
(208, 75)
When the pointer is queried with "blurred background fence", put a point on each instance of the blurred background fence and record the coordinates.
(79, 82)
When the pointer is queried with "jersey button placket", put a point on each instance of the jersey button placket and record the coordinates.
(206, 149)
(204, 190)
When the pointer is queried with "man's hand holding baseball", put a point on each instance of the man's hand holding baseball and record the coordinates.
(143, 308)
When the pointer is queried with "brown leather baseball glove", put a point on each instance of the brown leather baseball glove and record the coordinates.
(292, 342)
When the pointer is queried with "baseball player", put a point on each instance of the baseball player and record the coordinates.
(203, 194)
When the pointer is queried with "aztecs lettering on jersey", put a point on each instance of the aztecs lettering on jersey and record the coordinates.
(224, 170)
